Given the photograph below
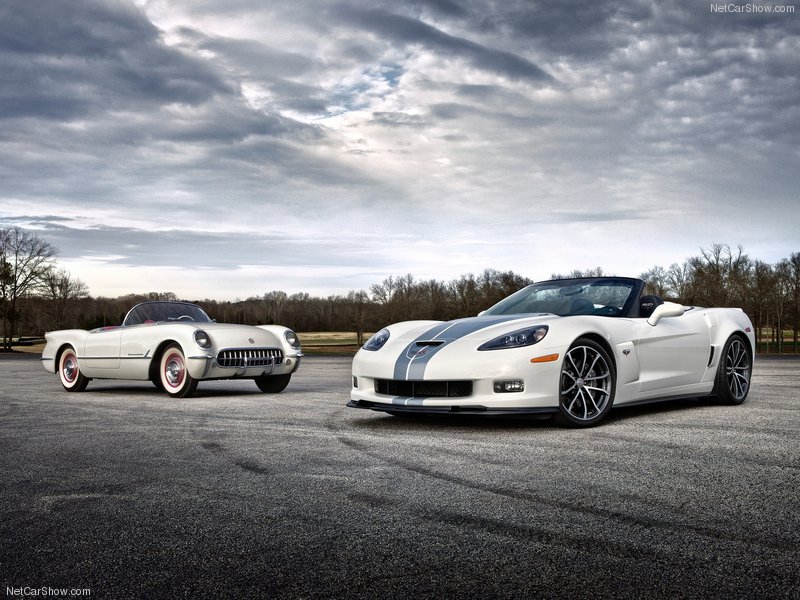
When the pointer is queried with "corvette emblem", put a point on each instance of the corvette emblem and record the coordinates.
(251, 340)
(413, 353)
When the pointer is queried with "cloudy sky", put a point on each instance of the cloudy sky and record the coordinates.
(225, 148)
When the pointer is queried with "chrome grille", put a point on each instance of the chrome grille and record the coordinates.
(250, 357)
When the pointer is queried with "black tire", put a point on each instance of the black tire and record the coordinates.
(174, 375)
(734, 372)
(69, 372)
(587, 385)
(272, 384)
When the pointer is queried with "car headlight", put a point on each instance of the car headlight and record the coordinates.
(291, 338)
(517, 339)
(201, 339)
(377, 341)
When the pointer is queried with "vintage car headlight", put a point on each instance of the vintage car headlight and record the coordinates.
(201, 339)
(291, 338)
(377, 341)
(517, 339)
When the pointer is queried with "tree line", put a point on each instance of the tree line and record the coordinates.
(36, 295)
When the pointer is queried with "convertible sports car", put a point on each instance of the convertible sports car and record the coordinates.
(572, 348)
(174, 345)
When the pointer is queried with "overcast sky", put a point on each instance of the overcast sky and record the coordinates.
(226, 148)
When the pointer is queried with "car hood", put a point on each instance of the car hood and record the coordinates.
(470, 328)
(233, 335)
(412, 346)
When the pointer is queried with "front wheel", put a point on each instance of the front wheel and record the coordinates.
(587, 385)
(174, 375)
(734, 372)
(272, 384)
(69, 372)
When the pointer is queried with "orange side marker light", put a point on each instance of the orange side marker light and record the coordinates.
(546, 358)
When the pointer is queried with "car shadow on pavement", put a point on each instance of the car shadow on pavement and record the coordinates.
(423, 422)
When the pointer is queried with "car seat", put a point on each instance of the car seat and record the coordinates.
(647, 304)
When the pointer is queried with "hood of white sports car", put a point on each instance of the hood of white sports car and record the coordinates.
(471, 328)
(411, 347)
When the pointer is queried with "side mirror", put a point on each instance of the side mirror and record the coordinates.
(668, 309)
(480, 314)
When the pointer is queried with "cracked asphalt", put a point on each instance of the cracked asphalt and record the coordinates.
(237, 494)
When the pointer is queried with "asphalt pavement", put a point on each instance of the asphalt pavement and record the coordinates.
(120, 492)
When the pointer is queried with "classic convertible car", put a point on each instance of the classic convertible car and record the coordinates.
(572, 348)
(174, 345)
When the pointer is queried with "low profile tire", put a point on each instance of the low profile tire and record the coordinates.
(734, 371)
(272, 384)
(174, 375)
(587, 385)
(69, 372)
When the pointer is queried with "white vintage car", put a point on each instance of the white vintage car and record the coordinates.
(572, 348)
(174, 345)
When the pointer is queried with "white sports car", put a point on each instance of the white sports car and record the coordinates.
(572, 348)
(174, 345)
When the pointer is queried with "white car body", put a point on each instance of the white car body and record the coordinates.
(134, 350)
(675, 352)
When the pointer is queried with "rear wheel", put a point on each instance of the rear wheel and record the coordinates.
(734, 372)
(272, 384)
(174, 375)
(69, 372)
(587, 385)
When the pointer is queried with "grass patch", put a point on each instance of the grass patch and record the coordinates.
(343, 343)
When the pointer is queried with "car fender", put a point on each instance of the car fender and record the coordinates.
(56, 341)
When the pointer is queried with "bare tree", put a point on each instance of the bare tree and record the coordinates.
(359, 303)
(26, 259)
(679, 278)
(578, 274)
(466, 295)
(762, 291)
(656, 281)
(790, 271)
(273, 303)
(61, 291)
(720, 275)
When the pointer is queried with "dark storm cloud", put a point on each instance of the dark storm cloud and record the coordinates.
(574, 28)
(230, 120)
(441, 7)
(406, 30)
(276, 70)
(123, 246)
(70, 60)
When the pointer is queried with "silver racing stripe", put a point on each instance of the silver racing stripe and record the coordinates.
(410, 365)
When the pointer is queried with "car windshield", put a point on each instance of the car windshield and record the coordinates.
(154, 312)
(610, 297)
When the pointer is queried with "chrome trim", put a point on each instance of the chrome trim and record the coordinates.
(238, 358)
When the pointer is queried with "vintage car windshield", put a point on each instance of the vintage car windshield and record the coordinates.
(154, 312)
(603, 296)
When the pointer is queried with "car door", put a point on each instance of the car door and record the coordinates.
(101, 350)
(672, 353)
(137, 347)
